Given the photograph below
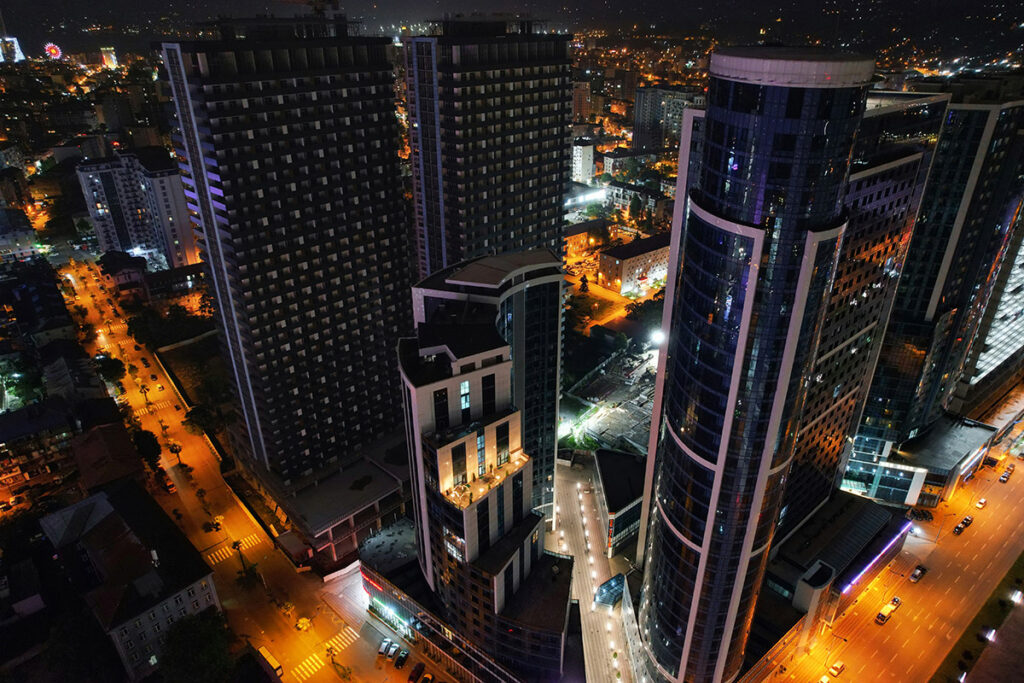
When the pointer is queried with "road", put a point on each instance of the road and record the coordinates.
(962, 572)
(266, 610)
(579, 532)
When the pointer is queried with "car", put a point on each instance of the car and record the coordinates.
(1004, 477)
(429, 678)
(144, 361)
(919, 571)
(968, 520)
(1011, 467)
(138, 348)
(884, 614)
(895, 602)
(159, 387)
(384, 645)
(981, 503)
(400, 659)
(392, 651)
(414, 675)
(169, 485)
(177, 407)
(153, 377)
(825, 679)
(959, 529)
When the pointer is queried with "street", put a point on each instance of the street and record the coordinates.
(263, 611)
(962, 572)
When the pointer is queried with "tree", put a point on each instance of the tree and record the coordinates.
(110, 369)
(201, 419)
(148, 447)
(198, 649)
(621, 341)
(133, 369)
(635, 207)
(88, 332)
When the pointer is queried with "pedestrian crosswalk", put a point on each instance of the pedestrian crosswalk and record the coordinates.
(309, 666)
(153, 407)
(346, 637)
(226, 551)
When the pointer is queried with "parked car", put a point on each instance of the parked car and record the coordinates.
(837, 668)
(401, 659)
(384, 645)
(414, 675)
(138, 348)
(393, 650)
(919, 571)
(153, 377)
(159, 387)
(429, 678)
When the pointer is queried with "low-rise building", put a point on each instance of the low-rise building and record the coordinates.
(135, 569)
(35, 448)
(635, 268)
(580, 238)
(621, 195)
(620, 489)
(618, 160)
(18, 239)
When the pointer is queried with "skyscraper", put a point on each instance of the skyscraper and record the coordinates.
(489, 107)
(760, 229)
(967, 219)
(481, 548)
(521, 294)
(289, 140)
(891, 158)
(658, 115)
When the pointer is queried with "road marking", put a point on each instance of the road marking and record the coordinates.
(226, 551)
(346, 637)
(309, 666)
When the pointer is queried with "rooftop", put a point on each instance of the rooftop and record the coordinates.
(836, 534)
(542, 601)
(622, 478)
(790, 53)
(495, 558)
(390, 548)
(48, 415)
(944, 445)
(123, 550)
(341, 495)
(638, 247)
(14, 221)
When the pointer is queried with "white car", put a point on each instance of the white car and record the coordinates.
(837, 668)
(981, 503)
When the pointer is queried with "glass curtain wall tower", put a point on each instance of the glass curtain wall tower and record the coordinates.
(754, 251)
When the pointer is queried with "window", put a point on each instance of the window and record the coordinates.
(464, 401)
(459, 463)
(488, 394)
(441, 410)
(501, 436)
(481, 454)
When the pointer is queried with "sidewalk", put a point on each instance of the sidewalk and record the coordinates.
(1003, 660)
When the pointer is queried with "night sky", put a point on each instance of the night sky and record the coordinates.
(945, 23)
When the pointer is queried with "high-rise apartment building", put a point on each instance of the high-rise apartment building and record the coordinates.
(761, 228)
(289, 142)
(658, 115)
(583, 161)
(966, 225)
(489, 107)
(581, 108)
(892, 154)
(521, 294)
(480, 546)
(136, 202)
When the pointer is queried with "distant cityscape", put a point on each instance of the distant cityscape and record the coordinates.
(511, 343)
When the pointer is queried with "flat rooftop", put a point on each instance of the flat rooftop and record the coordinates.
(622, 477)
(390, 548)
(638, 247)
(944, 445)
(341, 495)
(836, 534)
(542, 601)
(499, 554)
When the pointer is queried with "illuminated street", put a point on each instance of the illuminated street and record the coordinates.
(962, 572)
(263, 616)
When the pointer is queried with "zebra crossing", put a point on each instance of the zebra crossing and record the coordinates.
(226, 551)
(343, 639)
(152, 408)
(309, 666)
(313, 663)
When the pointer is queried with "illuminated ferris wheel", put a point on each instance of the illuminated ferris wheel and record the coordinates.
(52, 51)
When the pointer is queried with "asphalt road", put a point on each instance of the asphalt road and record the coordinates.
(962, 572)
(263, 613)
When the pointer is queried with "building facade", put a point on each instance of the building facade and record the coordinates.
(658, 115)
(760, 227)
(891, 159)
(582, 161)
(966, 226)
(136, 202)
(289, 149)
(481, 547)
(635, 268)
(489, 107)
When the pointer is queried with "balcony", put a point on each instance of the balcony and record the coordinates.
(463, 495)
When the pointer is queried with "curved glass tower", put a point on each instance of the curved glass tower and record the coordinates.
(753, 259)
